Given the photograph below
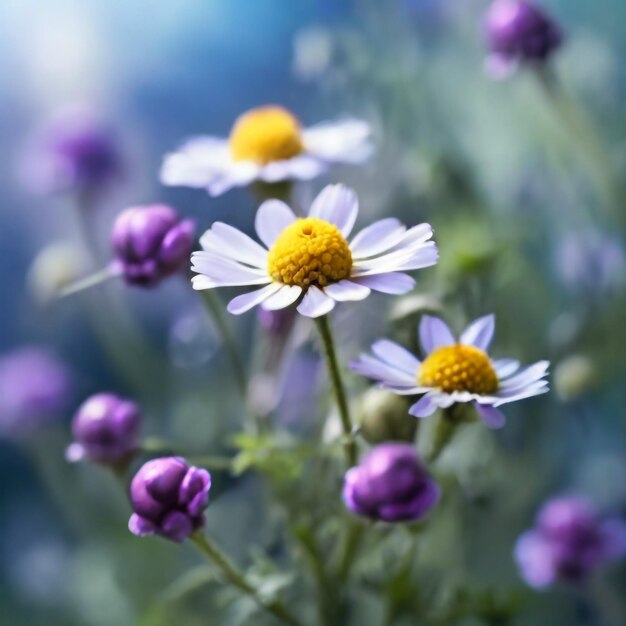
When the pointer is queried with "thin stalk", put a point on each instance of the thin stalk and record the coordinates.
(215, 309)
(580, 129)
(238, 580)
(444, 431)
(334, 371)
(354, 533)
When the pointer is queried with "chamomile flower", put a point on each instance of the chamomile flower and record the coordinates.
(309, 259)
(453, 371)
(265, 144)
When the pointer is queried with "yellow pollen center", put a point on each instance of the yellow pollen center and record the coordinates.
(458, 368)
(310, 252)
(265, 134)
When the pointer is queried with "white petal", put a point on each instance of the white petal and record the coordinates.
(345, 290)
(287, 295)
(245, 302)
(527, 375)
(271, 219)
(424, 407)
(225, 272)
(338, 205)
(413, 257)
(240, 174)
(490, 415)
(536, 389)
(303, 167)
(315, 303)
(434, 333)
(404, 390)
(224, 239)
(505, 367)
(377, 237)
(395, 355)
(393, 283)
(344, 141)
(371, 367)
(479, 333)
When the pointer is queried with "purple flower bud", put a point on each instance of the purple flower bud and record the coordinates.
(35, 387)
(568, 543)
(106, 430)
(518, 31)
(151, 242)
(75, 150)
(169, 498)
(390, 484)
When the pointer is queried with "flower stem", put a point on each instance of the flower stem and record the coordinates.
(354, 533)
(581, 130)
(444, 431)
(215, 309)
(238, 580)
(323, 326)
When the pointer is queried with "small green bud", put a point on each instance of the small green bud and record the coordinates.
(384, 417)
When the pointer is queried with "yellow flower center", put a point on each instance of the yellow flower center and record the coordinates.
(458, 368)
(310, 252)
(266, 134)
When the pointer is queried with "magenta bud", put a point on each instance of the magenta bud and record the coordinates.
(150, 243)
(168, 498)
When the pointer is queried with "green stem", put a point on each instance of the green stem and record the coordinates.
(354, 533)
(444, 431)
(238, 580)
(579, 128)
(323, 326)
(215, 308)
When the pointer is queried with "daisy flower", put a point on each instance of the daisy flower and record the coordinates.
(453, 371)
(309, 259)
(265, 144)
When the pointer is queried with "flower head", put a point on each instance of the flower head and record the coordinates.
(106, 430)
(150, 243)
(310, 258)
(76, 150)
(390, 484)
(265, 144)
(168, 498)
(453, 371)
(35, 387)
(568, 543)
(517, 32)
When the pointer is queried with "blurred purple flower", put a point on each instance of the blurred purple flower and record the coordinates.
(591, 262)
(150, 243)
(74, 151)
(568, 543)
(168, 498)
(35, 387)
(276, 323)
(516, 32)
(390, 484)
(106, 430)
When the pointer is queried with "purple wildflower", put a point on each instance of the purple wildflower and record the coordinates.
(168, 498)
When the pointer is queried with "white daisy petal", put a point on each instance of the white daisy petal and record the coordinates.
(377, 238)
(479, 333)
(526, 375)
(315, 303)
(505, 367)
(239, 174)
(409, 258)
(534, 390)
(492, 417)
(303, 167)
(394, 283)
(371, 367)
(338, 205)
(200, 282)
(225, 272)
(404, 390)
(340, 141)
(417, 234)
(286, 296)
(271, 219)
(235, 244)
(434, 333)
(424, 407)
(245, 302)
(395, 355)
(345, 290)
